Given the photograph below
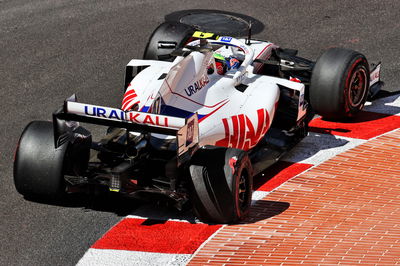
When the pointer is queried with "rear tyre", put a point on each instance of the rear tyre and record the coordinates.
(38, 166)
(222, 181)
(339, 84)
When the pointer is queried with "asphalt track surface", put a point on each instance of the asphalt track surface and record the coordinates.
(51, 49)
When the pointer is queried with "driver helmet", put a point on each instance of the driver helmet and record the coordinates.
(224, 64)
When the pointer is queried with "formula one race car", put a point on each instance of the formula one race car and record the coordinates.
(201, 115)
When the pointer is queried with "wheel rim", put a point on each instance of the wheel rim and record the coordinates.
(243, 191)
(357, 87)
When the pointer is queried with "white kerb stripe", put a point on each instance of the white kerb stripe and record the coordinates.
(317, 148)
(105, 257)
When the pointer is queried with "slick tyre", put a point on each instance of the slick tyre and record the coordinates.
(222, 181)
(339, 84)
(38, 166)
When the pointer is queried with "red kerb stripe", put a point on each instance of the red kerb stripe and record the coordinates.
(365, 125)
(278, 174)
(156, 236)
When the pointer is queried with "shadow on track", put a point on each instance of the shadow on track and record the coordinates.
(104, 202)
(217, 21)
(265, 209)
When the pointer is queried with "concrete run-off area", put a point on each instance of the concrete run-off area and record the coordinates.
(343, 211)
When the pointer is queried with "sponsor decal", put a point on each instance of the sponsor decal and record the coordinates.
(204, 35)
(232, 163)
(375, 75)
(190, 133)
(135, 117)
(105, 113)
(243, 134)
(198, 85)
(226, 39)
(154, 120)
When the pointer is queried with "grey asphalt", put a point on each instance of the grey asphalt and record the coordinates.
(50, 49)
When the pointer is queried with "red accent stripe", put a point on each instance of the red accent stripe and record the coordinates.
(260, 126)
(250, 134)
(129, 97)
(208, 106)
(365, 125)
(278, 174)
(242, 131)
(129, 93)
(266, 123)
(295, 80)
(125, 106)
(204, 117)
(156, 236)
(225, 141)
(235, 131)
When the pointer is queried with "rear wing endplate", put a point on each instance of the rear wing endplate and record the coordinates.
(188, 139)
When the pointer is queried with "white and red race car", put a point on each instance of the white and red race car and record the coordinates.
(201, 115)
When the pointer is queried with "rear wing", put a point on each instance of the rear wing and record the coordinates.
(65, 120)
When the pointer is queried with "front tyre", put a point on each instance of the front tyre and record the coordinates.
(222, 180)
(38, 166)
(339, 84)
(165, 39)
